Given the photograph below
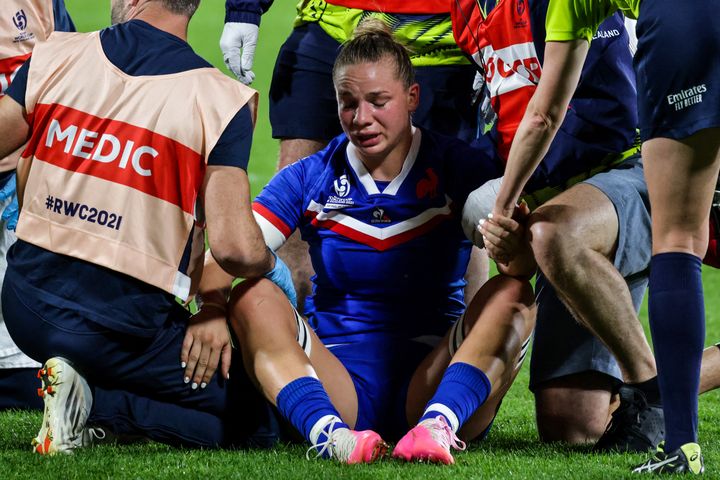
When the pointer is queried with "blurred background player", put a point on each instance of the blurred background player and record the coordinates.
(382, 347)
(679, 120)
(302, 98)
(23, 23)
(110, 183)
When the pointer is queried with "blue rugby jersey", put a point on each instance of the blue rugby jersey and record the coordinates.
(389, 257)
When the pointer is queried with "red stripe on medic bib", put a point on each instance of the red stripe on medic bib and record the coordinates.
(118, 152)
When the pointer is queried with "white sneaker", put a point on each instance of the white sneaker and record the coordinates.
(68, 401)
(349, 446)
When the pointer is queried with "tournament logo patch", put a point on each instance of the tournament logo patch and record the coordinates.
(21, 23)
(342, 186)
(20, 20)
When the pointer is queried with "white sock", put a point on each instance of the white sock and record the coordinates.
(443, 410)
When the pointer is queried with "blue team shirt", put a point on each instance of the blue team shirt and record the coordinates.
(109, 298)
(602, 118)
(389, 257)
(246, 11)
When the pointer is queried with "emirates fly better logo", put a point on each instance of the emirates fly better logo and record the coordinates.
(687, 98)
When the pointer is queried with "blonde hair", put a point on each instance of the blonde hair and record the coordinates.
(372, 42)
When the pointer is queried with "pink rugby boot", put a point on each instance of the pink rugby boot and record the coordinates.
(430, 440)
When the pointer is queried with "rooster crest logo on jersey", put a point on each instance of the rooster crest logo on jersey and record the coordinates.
(379, 216)
(20, 20)
(342, 186)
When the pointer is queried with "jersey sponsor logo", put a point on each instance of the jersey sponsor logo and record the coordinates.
(687, 98)
(118, 152)
(379, 216)
(511, 68)
(427, 187)
(8, 69)
(606, 34)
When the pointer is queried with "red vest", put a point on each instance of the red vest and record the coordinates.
(503, 44)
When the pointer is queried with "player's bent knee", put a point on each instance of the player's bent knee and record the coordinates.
(259, 300)
(573, 409)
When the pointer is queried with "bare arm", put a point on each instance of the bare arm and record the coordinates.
(14, 126)
(235, 239)
(543, 117)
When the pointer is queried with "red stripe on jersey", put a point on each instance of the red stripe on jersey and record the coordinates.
(118, 152)
(8, 68)
(397, 6)
(377, 243)
(265, 212)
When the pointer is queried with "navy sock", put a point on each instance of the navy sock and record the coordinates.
(649, 388)
(304, 402)
(462, 390)
(677, 323)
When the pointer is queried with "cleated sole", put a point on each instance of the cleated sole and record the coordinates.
(54, 422)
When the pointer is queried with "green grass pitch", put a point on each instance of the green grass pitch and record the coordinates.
(511, 451)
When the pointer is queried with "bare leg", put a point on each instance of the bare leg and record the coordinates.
(710, 371)
(681, 178)
(497, 322)
(477, 273)
(267, 330)
(574, 409)
(573, 237)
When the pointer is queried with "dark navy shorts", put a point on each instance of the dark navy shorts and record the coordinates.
(561, 345)
(302, 96)
(678, 67)
(137, 382)
(381, 372)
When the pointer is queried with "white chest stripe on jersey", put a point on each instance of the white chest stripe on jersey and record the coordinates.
(379, 233)
(366, 179)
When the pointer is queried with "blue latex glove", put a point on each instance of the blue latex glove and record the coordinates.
(11, 212)
(280, 275)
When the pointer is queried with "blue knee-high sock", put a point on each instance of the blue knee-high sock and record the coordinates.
(462, 390)
(304, 402)
(677, 323)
